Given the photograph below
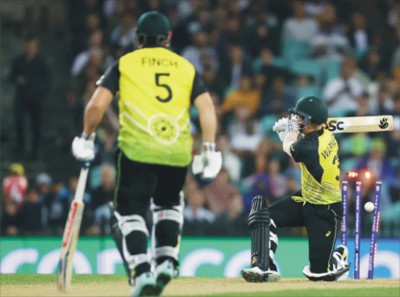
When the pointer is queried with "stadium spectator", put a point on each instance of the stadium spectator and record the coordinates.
(220, 192)
(253, 185)
(278, 98)
(195, 210)
(341, 93)
(213, 81)
(15, 184)
(44, 188)
(100, 197)
(292, 171)
(123, 37)
(33, 214)
(385, 103)
(10, 219)
(232, 222)
(392, 139)
(299, 26)
(244, 132)
(329, 44)
(231, 162)
(376, 162)
(201, 54)
(95, 41)
(107, 145)
(395, 66)
(235, 64)
(359, 34)
(264, 64)
(30, 74)
(316, 7)
(193, 15)
(245, 95)
(363, 106)
(277, 182)
(258, 37)
(84, 18)
(372, 64)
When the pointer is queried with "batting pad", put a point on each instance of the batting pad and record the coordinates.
(259, 230)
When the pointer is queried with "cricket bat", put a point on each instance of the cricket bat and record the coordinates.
(71, 233)
(360, 124)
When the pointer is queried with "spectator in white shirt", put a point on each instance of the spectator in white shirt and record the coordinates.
(231, 162)
(95, 43)
(341, 93)
(244, 132)
(299, 26)
(329, 44)
(201, 53)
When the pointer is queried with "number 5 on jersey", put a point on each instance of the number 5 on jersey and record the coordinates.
(160, 82)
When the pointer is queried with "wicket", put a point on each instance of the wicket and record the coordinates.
(357, 230)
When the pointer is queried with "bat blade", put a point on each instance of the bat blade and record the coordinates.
(68, 247)
(360, 124)
(71, 234)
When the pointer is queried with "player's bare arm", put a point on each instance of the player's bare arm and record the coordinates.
(208, 120)
(290, 138)
(96, 108)
(209, 162)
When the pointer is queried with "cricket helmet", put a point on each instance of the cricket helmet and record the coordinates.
(311, 109)
(152, 28)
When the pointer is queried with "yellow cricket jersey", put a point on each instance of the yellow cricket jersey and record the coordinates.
(156, 88)
(317, 154)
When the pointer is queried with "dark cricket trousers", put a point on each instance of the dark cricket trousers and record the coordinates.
(321, 221)
(138, 182)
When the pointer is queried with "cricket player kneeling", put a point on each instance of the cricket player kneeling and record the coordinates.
(338, 270)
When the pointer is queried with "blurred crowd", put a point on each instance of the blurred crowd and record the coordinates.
(256, 58)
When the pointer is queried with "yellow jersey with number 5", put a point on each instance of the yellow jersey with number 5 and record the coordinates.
(155, 86)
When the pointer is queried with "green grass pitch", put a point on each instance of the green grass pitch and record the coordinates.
(116, 285)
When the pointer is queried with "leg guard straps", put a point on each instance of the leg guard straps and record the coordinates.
(259, 221)
(166, 233)
(273, 245)
(127, 225)
(167, 251)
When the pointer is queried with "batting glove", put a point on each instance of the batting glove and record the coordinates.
(208, 163)
(281, 125)
(282, 128)
(83, 147)
(293, 125)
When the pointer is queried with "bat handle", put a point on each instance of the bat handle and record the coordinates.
(80, 189)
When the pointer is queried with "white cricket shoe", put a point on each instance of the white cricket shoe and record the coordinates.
(340, 267)
(164, 273)
(145, 285)
(256, 275)
(339, 258)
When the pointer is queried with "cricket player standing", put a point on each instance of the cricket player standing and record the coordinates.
(156, 90)
(317, 206)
